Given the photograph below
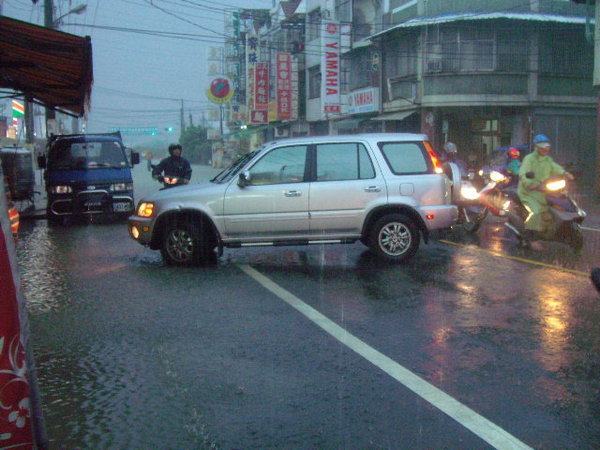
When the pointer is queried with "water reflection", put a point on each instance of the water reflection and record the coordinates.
(43, 265)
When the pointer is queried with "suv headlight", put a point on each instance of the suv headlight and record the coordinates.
(145, 209)
(121, 187)
(61, 189)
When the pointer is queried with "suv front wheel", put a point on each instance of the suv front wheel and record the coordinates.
(184, 244)
(394, 237)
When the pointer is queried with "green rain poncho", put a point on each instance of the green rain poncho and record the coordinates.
(544, 167)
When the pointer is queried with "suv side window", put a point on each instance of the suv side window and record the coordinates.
(281, 165)
(404, 157)
(343, 161)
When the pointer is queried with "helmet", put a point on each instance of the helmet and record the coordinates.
(514, 152)
(450, 147)
(173, 147)
(540, 139)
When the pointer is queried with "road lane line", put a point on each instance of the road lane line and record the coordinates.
(479, 425)
(516, 258)
(590, 229)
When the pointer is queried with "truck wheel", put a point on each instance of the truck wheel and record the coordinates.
(394, 238)
(52, 218)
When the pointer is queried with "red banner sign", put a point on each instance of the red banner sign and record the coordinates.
(284, 86)
(261, 86)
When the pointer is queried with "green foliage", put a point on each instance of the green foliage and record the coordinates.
(196, 147)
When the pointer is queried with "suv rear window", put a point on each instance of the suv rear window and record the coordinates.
(404, 157)
(343, 161)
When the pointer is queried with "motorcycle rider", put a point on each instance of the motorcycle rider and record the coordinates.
(173, 166)
(452, 156)
(531, 190)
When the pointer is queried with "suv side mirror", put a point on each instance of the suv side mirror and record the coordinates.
(135, 158)
(244, 179)
(41, 161)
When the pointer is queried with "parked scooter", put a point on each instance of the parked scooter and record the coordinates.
(566, 215)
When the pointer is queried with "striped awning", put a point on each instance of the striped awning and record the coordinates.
(49, 66)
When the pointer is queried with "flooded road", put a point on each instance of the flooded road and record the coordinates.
(312, 347)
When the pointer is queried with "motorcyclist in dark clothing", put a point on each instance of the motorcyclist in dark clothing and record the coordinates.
(173, 166)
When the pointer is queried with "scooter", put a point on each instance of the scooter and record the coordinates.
(170, 181)
(475, 205)
(567, 216)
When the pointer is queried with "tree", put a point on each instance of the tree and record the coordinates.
(196, 146)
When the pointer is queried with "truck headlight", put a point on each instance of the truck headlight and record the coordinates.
(121, 187)
(145, 209)
(61, 189)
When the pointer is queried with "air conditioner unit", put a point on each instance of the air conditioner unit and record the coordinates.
(434, 65)
(282, 132)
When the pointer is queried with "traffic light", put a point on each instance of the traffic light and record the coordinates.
(170, 129)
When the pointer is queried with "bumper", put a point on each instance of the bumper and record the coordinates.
(91, 202)
(439, 217)
(140, 229)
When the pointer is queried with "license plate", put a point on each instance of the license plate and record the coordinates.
(121, 207)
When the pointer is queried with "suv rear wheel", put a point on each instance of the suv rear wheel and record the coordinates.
(184, 244)
(394, 237)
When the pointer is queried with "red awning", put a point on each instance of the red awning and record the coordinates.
(51, 67)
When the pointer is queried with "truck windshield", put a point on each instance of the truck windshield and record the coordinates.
(86, 155)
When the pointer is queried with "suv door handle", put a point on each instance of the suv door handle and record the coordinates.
(292, 193)
(373, 189)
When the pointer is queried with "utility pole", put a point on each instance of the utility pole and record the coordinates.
(181, 118)
(49, 23)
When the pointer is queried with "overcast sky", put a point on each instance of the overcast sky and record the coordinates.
(140, 78)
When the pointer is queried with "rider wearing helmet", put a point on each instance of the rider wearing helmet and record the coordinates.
(531, 190)
(513, 165)
(174, 166)
(452, 156)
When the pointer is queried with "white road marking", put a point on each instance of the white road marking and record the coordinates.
(482, 427)
(590, 229)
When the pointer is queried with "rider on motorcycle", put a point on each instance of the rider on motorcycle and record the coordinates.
(173, 166)
(531, 190)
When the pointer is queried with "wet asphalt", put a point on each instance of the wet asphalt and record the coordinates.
(474, 343)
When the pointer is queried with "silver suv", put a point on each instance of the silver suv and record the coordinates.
(386, 190)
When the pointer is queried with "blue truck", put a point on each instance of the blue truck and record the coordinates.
(88, 175)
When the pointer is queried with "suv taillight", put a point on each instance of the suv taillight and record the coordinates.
(435, 160)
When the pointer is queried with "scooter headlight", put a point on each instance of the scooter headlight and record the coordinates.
(468, 192)
(556, 185)
(497, 176)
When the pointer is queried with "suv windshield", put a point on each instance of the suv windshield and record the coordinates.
(69, 154)
(235, 167)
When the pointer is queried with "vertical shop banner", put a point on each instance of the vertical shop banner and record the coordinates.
(284, 86)
(15, 405)
(261, 86)
(330, 68)
(295, 89)
(251, 60)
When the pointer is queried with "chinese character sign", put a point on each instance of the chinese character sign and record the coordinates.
(284, 86)
(261, 86)
(330, 67)
(252, 43)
